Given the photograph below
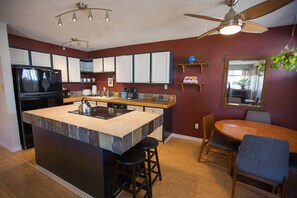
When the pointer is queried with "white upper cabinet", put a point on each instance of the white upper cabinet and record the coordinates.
(41, 59)
(161, 67)
(60, 62)
(19, 56)
(108, 64)
(98, 65)
(124, 69)
(74, 69)
(142, 64)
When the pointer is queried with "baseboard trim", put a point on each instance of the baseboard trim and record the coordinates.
(11, 149)
(185, 137)
(64, 183)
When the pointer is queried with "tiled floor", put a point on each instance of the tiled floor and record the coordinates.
(183, 176)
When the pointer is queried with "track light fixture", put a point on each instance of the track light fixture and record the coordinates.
(83, 7)
(75, 42)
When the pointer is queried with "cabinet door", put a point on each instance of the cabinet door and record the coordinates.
(135, 108)
(60, 62)
(41, 59)
(98, 65)
(19, 56)
(124, 70)
(102, 104)
(142, 63)
(161, 67)
(73, 69)
(108, 64)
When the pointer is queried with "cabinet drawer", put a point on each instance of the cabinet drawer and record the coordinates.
(135, 108)
(101, 104)
(154, 110)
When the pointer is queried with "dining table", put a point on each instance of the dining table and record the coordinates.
(236, 129)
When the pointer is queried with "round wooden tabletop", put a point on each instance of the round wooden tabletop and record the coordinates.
(236, 129)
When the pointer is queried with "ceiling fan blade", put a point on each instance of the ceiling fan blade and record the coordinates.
(262, 9)
(252, 27)
(205, 17)
(208, 33)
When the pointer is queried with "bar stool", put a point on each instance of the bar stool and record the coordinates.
(129, 167)
(149, 145)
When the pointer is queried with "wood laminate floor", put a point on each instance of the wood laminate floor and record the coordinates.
(183, 176)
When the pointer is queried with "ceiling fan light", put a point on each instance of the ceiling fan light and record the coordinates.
(90, 15)
(230, 29)
(74, 19)
(60, 21)
(107, 17)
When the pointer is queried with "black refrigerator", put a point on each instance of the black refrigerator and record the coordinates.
(35, 88)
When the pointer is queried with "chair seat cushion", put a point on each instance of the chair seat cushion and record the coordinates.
(223, 143)
(263, 157)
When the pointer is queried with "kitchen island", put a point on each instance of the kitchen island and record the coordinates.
(81, 149)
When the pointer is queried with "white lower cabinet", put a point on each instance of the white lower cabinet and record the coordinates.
(102, 104)
(158, 133)
(134, 108)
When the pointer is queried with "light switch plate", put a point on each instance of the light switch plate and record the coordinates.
(165, 86)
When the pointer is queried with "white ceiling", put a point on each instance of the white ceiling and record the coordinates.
(132, 21)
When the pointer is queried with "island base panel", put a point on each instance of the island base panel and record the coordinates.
(87, 167)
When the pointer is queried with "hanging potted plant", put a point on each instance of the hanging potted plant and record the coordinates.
(287, 59)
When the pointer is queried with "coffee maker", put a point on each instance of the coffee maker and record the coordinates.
(132, 93)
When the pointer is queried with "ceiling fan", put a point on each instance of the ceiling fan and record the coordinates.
(234, 22)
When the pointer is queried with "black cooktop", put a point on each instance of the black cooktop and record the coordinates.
(103, 112)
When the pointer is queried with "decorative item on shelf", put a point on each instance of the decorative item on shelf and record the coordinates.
(190, 79)
(83, 7)
(287, 59)
(190, 59)
(77, 43)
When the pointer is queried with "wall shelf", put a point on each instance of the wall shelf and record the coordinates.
(185, 65)
(183, 84)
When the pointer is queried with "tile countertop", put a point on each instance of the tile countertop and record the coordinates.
(138, 102)
(114, 134)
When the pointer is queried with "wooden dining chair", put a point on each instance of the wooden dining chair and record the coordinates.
(262, 159)
(217, 144)
(258, 116)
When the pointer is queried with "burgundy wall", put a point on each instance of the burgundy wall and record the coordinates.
(20, 42)
(192, 105)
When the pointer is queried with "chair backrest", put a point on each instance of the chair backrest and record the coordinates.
(258, 116)
(208, 126)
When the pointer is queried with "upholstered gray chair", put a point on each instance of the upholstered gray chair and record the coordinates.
(263, 159)
(258, 116)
